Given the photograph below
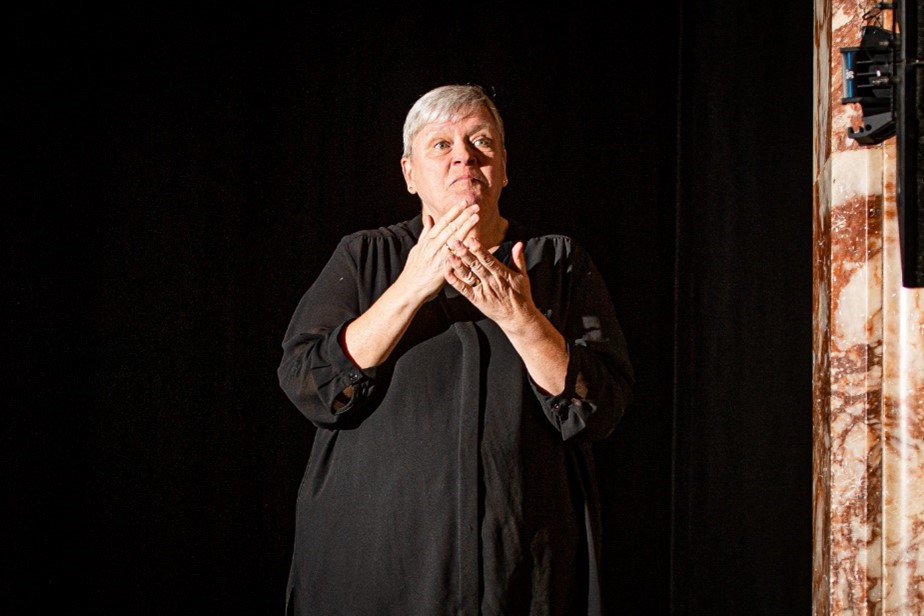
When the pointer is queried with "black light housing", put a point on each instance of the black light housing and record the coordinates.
(868, 71)
(883, 75)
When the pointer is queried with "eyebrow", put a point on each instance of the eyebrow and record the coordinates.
(431, 132)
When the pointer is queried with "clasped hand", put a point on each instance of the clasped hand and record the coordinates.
(501, 293)
(446, 253)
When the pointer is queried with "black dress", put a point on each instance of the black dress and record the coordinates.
(450, 484)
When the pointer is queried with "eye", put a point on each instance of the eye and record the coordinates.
(482, 142)
(441, 145)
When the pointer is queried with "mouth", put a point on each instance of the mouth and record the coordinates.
(467, 179)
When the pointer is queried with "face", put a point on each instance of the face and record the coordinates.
(457, 161)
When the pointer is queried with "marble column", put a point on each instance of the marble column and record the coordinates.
(868, 347)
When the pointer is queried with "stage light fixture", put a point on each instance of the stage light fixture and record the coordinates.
(883, 75)
(868, 71)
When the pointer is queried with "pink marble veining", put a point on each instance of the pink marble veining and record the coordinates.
(821, 258)
(902, 420)
(868, 373)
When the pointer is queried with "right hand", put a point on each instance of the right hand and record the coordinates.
(423, 274)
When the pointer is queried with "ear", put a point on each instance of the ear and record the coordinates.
(407, 169)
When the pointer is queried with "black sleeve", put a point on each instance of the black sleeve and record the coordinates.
(315, 371)
(600, 376)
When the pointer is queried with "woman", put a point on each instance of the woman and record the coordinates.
(458, 367)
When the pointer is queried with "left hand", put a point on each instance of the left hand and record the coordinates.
(501, 293)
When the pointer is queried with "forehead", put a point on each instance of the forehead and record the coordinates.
(467, 121)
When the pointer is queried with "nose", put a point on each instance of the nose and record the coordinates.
(463, 152)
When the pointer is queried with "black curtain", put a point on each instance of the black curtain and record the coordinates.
(742, 478)
(179, 176)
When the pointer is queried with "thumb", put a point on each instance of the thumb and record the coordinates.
(517, 257)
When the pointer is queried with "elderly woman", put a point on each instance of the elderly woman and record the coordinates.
(458, 367)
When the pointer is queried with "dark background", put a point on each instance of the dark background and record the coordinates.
(177, 177)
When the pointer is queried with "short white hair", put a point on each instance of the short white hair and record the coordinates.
(447, 103)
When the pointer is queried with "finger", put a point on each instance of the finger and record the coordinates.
(464, 283)
(456, 247)
(459, 261)
(456, 281)
(440, 224)
(519, 260)
(468, 277)
(464, 225)
(453, 214)
(467, 265)
(479, 260)
(457, 222)
(475, 246)
(458, 265)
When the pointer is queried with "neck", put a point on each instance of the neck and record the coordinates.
(490, 232)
